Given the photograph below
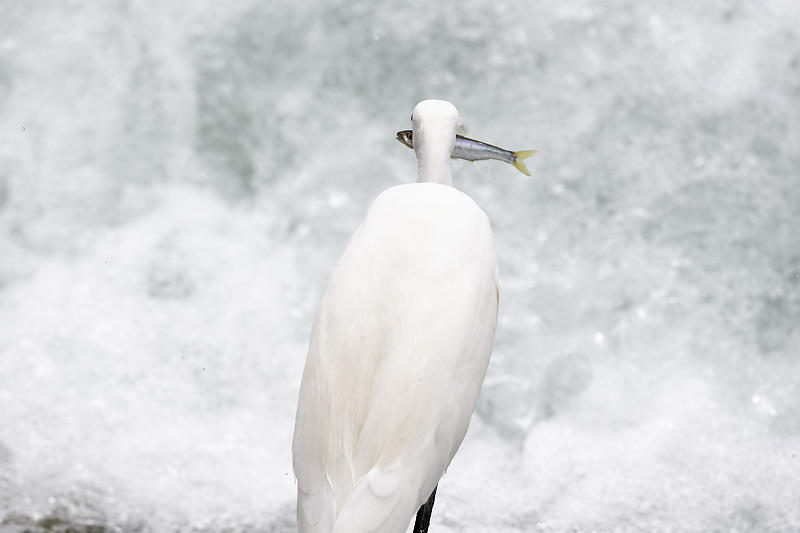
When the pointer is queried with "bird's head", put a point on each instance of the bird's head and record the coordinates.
(434, 124)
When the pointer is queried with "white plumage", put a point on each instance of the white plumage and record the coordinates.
(399, 348)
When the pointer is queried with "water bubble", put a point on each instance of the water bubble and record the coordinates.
(764, 405)
(337, 199)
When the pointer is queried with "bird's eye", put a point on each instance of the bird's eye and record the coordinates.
(412, 118)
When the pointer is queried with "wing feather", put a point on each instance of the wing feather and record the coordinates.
(397, 356)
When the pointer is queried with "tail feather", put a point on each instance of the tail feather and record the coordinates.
(519, 156)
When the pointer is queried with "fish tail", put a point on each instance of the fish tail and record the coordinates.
(519, 156)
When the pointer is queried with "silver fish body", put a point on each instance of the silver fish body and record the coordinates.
(473, 150)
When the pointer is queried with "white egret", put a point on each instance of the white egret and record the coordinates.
(398, 351)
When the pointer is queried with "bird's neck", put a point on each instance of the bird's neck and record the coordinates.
(434, 164)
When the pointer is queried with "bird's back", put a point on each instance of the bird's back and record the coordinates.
(397, 356)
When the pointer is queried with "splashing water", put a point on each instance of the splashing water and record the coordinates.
(176, 182)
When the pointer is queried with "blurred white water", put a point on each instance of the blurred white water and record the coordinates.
(176, 182)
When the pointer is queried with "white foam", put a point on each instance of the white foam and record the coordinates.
(177, 181)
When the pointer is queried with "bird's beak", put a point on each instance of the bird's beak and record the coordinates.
(405, 138)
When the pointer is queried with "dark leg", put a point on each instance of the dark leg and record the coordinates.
(424, 514)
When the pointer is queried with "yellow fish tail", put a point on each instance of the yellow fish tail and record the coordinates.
(519, 156)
